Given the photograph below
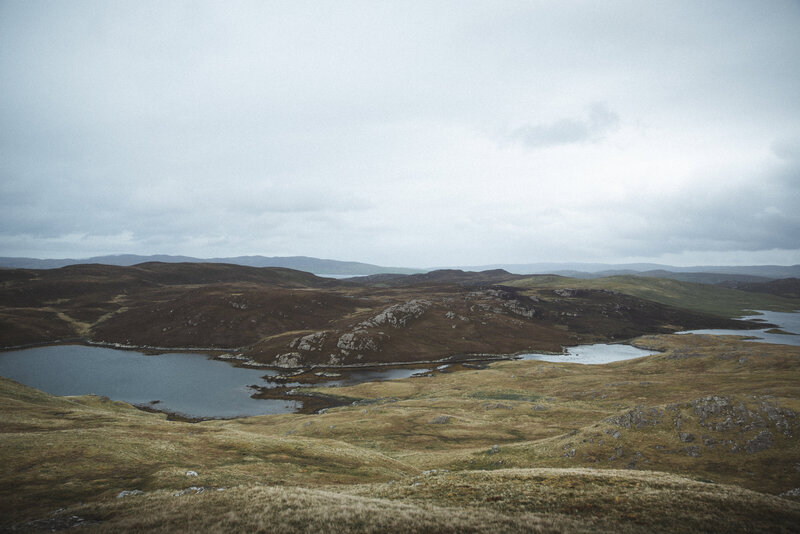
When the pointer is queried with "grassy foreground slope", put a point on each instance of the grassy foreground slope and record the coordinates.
(703, 298)
(700, 437)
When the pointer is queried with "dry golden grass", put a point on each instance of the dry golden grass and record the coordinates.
(558, 467)
(518, 500)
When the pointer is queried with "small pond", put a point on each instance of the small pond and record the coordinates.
(598, 353)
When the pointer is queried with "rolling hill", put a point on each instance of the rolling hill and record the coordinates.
(288, 318)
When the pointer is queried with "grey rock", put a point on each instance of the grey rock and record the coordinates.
(761, 442)
(288, 360)
(311, 342)
(128, 493)
(686, 437)
(638, 418)
(496, 406)
(791, 493)
(399, 315)
(193, 489)
(692, 450)
(440, 420)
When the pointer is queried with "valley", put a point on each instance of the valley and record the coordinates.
(291, 319)
(701, 435)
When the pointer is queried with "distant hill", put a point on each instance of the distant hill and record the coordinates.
(702, 298)
(298, 263)
(441, 276)
(787, 287)
(698, 273)
(697, 278)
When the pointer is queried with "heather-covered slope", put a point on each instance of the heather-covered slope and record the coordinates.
(292, 319)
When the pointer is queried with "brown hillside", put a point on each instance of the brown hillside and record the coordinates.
(290, 318)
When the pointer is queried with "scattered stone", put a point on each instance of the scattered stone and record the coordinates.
(638, 418)
(692, 450)
(430, 472)
(496, 406)
(686, 437)
(494, 450)
(636, 457)
(762, 441)
(791, 493)
(56, 522)
(540, 407)
(678, 422)
(440, 420)
(128, 493)
(196, 489)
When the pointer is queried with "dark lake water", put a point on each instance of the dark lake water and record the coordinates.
(195, 385)
(189, 384)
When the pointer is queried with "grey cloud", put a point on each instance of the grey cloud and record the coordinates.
(759, 215)
(352, 129)
(600, 121)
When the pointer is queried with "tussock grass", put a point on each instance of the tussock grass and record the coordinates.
(564, 462)
(294, 510)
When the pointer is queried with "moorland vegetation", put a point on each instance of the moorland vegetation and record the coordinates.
(700, 437)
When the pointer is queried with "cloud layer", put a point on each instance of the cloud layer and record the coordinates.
(419, 133)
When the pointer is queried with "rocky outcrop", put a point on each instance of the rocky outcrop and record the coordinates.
(398, 315)
(724, 414)
(639, 417)
(359, 341)
(289, 360)
(309, 343)
(761, 442)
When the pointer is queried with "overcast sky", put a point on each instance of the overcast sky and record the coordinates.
(404, 133)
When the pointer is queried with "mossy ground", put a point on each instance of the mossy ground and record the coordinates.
(579, 448)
